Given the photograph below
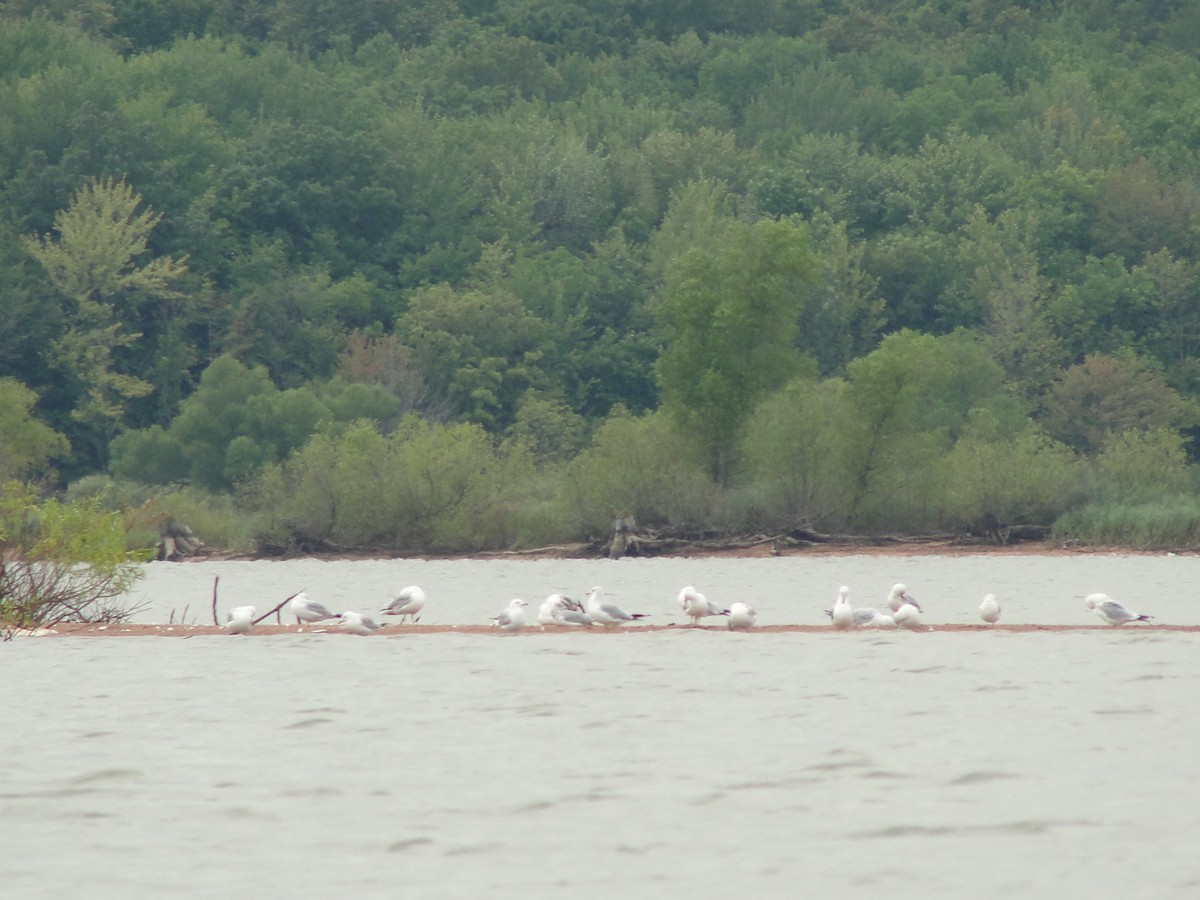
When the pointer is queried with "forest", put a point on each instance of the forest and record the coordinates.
(455, 275)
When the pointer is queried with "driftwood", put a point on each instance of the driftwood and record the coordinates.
(275, 612)
(176, 540)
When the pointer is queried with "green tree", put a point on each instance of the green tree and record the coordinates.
(95, 263)
(792, 466)
(26, 445)
(730, 321)
(1105, 396)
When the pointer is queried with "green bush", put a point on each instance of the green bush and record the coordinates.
(63, 562)
(642, 467)
(424, 488)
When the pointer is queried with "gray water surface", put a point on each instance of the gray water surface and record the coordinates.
(675, 763)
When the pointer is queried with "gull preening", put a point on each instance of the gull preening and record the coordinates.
(608, 613)
(357, 623)
(908, 616)
(240, 619)
(407, 604)
(561, 610)
(899, 596)
(306, 610)
(696, 606)
(741, 616)
(843, 612)
(989, 609)
(1112, 612)
(512, 617)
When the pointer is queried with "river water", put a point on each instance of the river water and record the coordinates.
(676, 763)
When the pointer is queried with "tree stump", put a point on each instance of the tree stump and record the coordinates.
(176, 540)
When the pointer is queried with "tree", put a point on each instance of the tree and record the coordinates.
(96, 265)
(26, 445)
(1104, 396)
(730, 319)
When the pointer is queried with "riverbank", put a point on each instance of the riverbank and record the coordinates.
(735, 549)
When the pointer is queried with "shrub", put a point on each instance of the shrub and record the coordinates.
(61, 562)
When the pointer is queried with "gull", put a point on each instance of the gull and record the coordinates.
(552, 604)
(357, 623)
(607, 613)
(873, 618)
(908, 616)
(741, 616)
(869, 618)
(407, 604)
(843, 612)
(989, 609)
(899, 596)
(512, 617)
(240, 619)
(696, 606)
(306, 610)
(1111, 611)
(572, 617)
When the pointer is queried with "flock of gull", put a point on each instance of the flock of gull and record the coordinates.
(902, 611)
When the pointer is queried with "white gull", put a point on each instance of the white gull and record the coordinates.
(240, 619)
(696, 606)
(1112, 612)
(407, 604)
(608, 613)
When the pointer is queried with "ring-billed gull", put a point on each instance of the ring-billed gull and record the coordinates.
(741, 616)
(407, 604)
(873, 618)
(696, 606)
(572, 617)
(240, 619)
(357, 623)
(908, 616)
(899, 596)
(512, 617)
(306, 610)
(1112, 612)
(550, 605)
(989, 609)
(608, 613)
(843, 612)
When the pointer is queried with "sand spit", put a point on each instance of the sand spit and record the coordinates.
(263, 630)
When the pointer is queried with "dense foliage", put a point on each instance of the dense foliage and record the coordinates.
(464, 273)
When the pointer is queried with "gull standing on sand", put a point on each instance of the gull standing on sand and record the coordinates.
(1112, 612)
(240, 619)
(357, 623)
(989, 609)
(908, 616)
(843, 612)
(407, 604)
(741, 616)
(899, 596)
(608, 613)
(512, 617)
(696, 606)
(306, 610)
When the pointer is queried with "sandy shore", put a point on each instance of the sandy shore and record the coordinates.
(264, 630)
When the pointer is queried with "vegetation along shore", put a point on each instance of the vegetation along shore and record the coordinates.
(448, 278)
